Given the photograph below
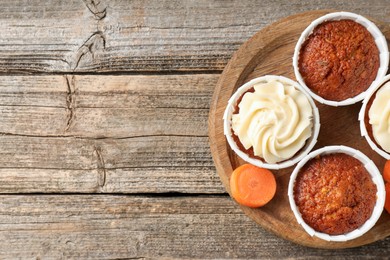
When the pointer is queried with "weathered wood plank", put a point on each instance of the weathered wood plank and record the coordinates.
(125, 134)
(106, 106)
(43, 36)
(187, 91)
(132, 165)
(118, 35)
(34, 180)
(113, 227)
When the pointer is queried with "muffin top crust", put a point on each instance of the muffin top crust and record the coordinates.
(339, 60)
(334, 193)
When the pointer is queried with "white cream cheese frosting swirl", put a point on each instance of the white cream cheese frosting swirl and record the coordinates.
(379, 117)
(275, 119)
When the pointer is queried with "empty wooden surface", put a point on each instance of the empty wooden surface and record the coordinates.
(103, 131)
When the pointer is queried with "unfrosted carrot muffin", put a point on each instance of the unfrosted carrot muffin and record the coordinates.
(334, 193)
(339, 60)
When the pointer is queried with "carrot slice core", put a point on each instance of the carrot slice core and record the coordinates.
(252, 186)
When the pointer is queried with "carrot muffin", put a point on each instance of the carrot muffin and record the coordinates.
(334, 193)
(272, 121)
(377, 117)
(339, 60)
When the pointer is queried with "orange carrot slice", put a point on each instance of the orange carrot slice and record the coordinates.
(252, 186)
(386, 171)
(387, 201)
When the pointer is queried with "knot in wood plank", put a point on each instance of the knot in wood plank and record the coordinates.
(95, 42)
(96, 8)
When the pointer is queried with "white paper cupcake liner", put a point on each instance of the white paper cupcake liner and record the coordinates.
(363, 129)
(376, 178)
(227, 117)
(380, 41)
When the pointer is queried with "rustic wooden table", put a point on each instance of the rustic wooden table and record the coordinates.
(104, 146)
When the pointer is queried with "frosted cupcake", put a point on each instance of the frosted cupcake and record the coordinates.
(375, 118)
(270, 122)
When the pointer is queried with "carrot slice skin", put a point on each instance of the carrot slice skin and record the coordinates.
(386, 171)
(387, 201)
(252, 186)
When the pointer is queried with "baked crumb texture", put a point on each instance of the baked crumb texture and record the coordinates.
(335, 194)
(339, 60)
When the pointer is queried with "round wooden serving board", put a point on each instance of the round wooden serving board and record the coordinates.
(270, 52)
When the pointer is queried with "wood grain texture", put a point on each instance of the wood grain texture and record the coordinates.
(116, 227)
(105, 106)
(132, 165)
(125, 36)
(100, 133)
(271, 49)
(115, 134)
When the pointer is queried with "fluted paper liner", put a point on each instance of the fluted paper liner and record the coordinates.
(376, 178)
(363, 129)
(380, 41)
(227, 117)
